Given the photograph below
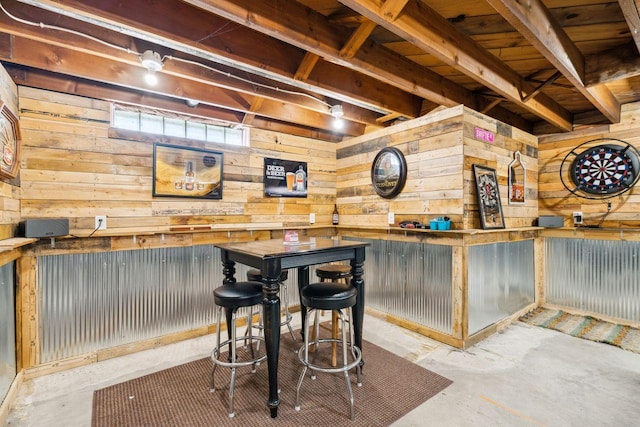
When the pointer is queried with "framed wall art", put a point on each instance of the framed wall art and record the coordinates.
(285, 178)
(186, 172)
(10, 138)
(389, 172)
(489, 204)
(517, 180)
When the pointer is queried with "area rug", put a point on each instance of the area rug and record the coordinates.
(587, 327)
(179, 396)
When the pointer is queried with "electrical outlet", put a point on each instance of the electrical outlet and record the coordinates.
(312, 218)
(577, 218)
(101, 222)
(391, 218)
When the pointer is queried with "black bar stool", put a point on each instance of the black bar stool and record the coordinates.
(336, 297)
(255, 276)
(231, 298)
(334, 273)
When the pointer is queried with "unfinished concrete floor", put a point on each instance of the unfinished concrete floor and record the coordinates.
(523, 376)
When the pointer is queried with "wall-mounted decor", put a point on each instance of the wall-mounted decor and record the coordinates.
(600, 168)
(489, 204)
(285, 178)
(186, 172)
(389, 172)
(10, 138)
(517, 180)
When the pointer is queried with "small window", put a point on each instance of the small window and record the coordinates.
(174, 127)
(179, 127)
(151, 123)
(234, 136)
(215, 133)
(129, 120)
(196, 130)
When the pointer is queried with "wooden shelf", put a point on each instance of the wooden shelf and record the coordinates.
(16, 242)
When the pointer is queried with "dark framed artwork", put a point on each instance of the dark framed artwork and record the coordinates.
(285, 178)
(10, 138)
(186, 172)
(489, 204)
(389, 172)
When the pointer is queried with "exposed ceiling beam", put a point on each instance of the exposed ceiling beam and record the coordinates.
(432, 33)
(306, 66)
(59, 83)
(615, 64)
(392, 8)
(316, 34)
(73, 63)
(630, 11)
(357, 39)
(183, 28)
(534, 21)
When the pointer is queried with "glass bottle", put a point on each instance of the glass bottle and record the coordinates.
(300, 179)
(189, 177)
(336, 217)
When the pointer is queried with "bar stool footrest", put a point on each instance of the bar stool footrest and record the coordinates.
(215, 354)
(325, 368)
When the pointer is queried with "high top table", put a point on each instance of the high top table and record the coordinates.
(271, 257)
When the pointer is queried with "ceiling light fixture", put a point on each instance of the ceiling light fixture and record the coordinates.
(337, 113)
(152, 62)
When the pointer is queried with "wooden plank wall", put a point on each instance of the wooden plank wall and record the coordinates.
(72, 168)
(555, 199)
(9, 191)
(498, 155)
(440, 149)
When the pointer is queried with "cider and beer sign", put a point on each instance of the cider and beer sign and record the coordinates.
(285, 178)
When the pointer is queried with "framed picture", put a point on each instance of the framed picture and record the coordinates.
(186, 172)
(517, 180)
(10, 138)
(389, 172)
(489, 204)
(285, 178)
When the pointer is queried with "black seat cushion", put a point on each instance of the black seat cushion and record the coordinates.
(254, 275)
(240, 294)
(328, 296)
(333, 271)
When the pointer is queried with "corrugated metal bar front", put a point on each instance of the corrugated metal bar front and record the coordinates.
(100, 300)
(7, 329)
(410, 280)
(501, 281)
(595, 276)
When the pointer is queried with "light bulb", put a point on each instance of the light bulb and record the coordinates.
(338, 123)
(151, 79)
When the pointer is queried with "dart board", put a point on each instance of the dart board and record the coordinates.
(602, 170)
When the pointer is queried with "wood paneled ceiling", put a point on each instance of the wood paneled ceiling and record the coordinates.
(544, 66)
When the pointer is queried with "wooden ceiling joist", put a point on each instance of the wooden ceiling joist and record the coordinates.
(535, 22)
(236, 49)
(432, 33)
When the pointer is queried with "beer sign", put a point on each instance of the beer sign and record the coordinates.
(285, 178)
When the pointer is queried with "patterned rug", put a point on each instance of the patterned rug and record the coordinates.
(586, 327)
(180, 397)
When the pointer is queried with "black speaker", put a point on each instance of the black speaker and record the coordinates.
(43, 227)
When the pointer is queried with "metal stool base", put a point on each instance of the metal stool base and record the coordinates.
(355, 353)
(232, 362)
